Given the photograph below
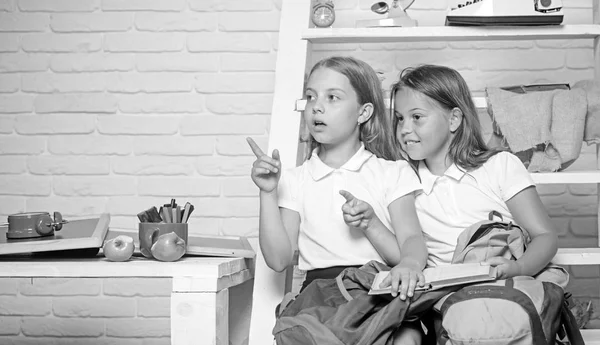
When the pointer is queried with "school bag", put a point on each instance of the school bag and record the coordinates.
(520, 310)
(340, 312)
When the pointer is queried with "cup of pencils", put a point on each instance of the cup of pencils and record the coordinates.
(168, 213)
(163, 234)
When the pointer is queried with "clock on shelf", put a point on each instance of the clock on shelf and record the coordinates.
(323, 14)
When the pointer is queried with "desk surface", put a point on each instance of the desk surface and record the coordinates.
(201, 267)
(189, 273)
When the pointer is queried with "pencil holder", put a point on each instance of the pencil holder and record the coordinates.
(163, 241)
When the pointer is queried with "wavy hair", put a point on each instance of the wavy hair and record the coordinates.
(375, 133)
(448, 88)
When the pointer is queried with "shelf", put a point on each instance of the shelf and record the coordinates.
(449, 33)
(573, 177)
(577, 256)
(137, 266)
(591, 336)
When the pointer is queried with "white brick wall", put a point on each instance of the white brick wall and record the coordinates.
(85, 311)
(102, 100)
(117, 105)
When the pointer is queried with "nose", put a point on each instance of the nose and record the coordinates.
(317, 106)
(404, 127)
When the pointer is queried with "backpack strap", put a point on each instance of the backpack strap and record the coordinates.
(340, 285)
(287, 299)
(569, 323)
(502, 292)
(485, 228)
(495, 213)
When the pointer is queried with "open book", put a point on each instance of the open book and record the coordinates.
(442, 276)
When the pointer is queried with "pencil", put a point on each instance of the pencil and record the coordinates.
(166, 215)
(186, 212)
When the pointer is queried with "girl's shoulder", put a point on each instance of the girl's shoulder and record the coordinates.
(504, 168)
(503, 159)
(295, 172)
(391, 165)
(506, 175)
(394, 170)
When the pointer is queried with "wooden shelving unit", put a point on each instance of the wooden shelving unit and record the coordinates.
(296, 39)
(448, 33)
(567, 177)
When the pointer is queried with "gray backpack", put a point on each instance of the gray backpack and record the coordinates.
(521, 310)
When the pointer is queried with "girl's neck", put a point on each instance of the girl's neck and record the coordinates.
(438, 165)
(337, 155)
(439, 162)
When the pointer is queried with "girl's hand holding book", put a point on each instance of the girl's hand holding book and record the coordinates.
(403, 278)
(504, 268)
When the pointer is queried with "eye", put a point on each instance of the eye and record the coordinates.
(309, 98)
(399, 117)
(417, 117)
(333, 98)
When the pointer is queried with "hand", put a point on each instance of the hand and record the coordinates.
(403, 279)
(265, 170)
(357, 213)
(504, 268)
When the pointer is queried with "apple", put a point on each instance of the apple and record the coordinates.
(168, 247)
(119, 248)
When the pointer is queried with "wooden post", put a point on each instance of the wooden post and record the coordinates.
(289, 80)
(192, 324)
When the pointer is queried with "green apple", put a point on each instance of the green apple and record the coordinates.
(168, 247)
(119, 248)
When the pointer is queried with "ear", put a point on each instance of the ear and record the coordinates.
(456, 118)
(365, 112)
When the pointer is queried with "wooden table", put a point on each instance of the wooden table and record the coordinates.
(199, 297)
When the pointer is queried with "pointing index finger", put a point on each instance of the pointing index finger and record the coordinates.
(255, 148)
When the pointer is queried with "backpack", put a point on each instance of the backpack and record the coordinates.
(341, 312)
(519, 310)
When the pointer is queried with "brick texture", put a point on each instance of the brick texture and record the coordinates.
(116, 105)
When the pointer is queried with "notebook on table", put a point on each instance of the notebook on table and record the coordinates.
(200, 245)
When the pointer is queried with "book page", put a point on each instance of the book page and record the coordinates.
(443, 273)
(441, 276)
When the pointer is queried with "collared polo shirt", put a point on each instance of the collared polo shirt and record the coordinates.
(312, 190)
(450, 203)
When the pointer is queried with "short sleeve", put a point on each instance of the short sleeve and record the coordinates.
(402, 181)
(512, 176)
(288, 189)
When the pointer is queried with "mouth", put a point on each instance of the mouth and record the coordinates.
(409, 143)
(318, 123)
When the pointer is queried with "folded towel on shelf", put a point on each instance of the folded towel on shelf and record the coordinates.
(545, 129)
(591, 134)
(523, 119)
(544, 160)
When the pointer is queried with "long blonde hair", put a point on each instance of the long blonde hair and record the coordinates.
(375, 133)
(447, 87)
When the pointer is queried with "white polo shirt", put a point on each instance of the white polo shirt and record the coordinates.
(312, 190)
(450, 203)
